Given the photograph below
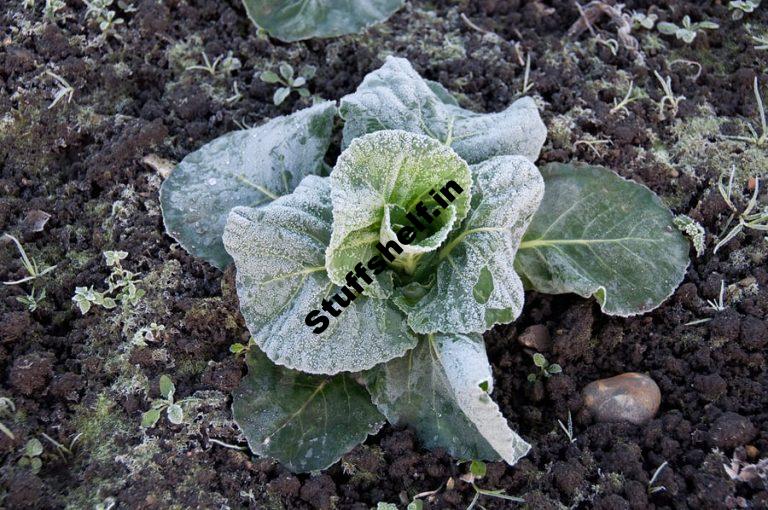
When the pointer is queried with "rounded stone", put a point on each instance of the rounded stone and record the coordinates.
(536, 337)
(631, 397)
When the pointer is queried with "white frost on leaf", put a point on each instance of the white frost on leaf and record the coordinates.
(442, 389)
(476, 284)
(279, 252)
(248, 168)
(381, 170)
(396, 97)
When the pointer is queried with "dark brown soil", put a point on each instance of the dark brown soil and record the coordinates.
(81, 162)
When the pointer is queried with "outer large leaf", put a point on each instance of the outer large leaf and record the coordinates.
(248, 167)
(598, 234)
(384, 175)
(294, 20)
(396, 97)
(279, 251)
(441, 389)
(476, 286)
(306, 422)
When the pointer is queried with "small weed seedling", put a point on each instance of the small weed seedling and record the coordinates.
(652, 487)
(747, 219)
(65, 453)
(742, 7)
(569, 429)
(687, 33)
(6, 408)
(693, 230)
(34, 271)
(51, 8)
(718, 305)
(173, 409)
(594, 145)
(65, 89)
(669, 96)
(31, 458)
(288, 81)
(228, 63)
(754, 138)
(646, 21)
(546, 368)
(120, 283)
(631, 96)
(146, 334)
(477, 470)
(237, 348)
(106, 18)
(527, 84)
(762, 42)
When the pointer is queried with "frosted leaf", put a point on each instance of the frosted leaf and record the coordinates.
(442, 390)
(379, 179)
(249, 168)
(279, 252)
(295, 20)
(597, 234)
(307, 422)
(396, 97)
(476, 285)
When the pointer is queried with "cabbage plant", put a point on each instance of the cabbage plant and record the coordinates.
(408, 347)
(296, 20)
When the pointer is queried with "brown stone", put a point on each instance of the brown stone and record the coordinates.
(631, 397)
(536, 337)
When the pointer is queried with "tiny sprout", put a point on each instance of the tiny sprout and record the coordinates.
(762, 42)
(747, 219)
(167, 402)
(237, 348)
(6, 408)
(527, 84)
(65, 453)
(646, 21)
(718, 305)
(147, 334)
(286, 78)
(120, 283)
(34, 271)
(478, 469)
(652, 487)
(547, 369)
(687, 33)
(65, 89)
(51, 8)
(569, 429)
(693, 230)
(742, 7)
(228, 63)
(669, 96)
(630, 97)
(754, 138)
(31, 458)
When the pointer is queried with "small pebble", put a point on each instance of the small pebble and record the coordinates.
(536, 337)
(631, 397)
(34, 221)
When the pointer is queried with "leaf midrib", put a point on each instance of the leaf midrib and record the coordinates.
(538, 243)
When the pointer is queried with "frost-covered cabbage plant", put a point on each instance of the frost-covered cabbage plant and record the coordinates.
(409, 348)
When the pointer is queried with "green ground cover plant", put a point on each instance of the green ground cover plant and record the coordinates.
(409, 347)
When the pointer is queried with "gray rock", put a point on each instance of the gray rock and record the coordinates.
(631, 397)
